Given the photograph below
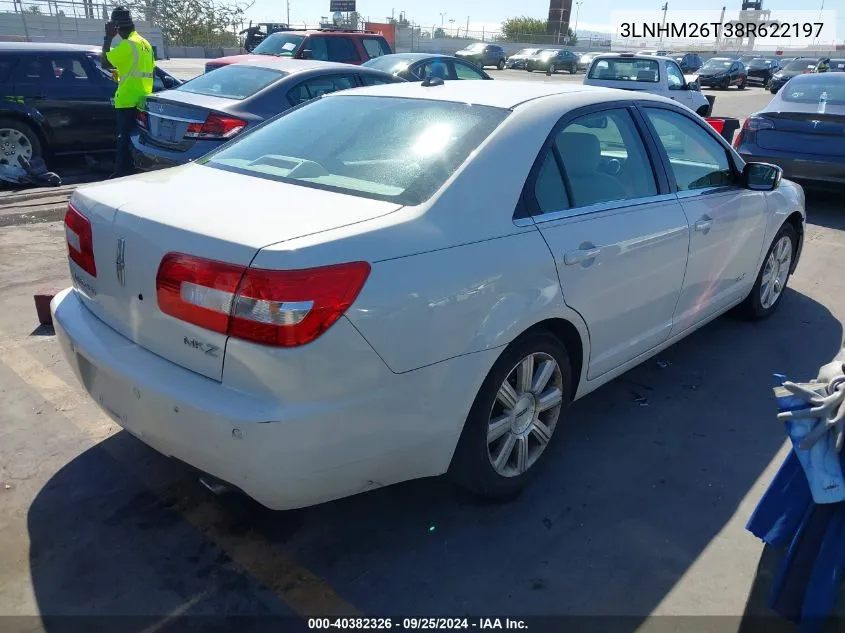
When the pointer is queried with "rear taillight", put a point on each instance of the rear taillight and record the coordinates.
(80, 242)
(215, 126)
(141, 118)
(716, 124)
(755, 123)
(283, 308)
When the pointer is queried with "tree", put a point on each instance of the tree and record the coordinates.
(525, 29)
(439, 33)
(34, 9)
(194, 22)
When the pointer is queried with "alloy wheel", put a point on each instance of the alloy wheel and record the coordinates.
(14, 143)
(524, 414)
(776, 272)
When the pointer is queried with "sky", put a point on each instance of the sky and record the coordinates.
(594, 15)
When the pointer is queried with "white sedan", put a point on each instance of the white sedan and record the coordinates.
(408, 280)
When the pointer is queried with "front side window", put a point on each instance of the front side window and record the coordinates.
(674, 76)
(319, 49)
(465, 71)
(626, 69)
(385, 148)
(698, 160)
(370, 80)
(604, 159)
(436, 68)
(342, 49)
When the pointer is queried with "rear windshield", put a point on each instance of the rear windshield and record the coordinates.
(801, 64)
(385, 148)
(810, 88)
(279, 44)
(475, 47)
(234, 81)
(626, 69)
(759, 63)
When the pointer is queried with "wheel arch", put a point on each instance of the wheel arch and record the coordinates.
(30, 122)
(797, 222)
(571, 337)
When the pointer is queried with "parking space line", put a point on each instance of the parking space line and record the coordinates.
(300, 589)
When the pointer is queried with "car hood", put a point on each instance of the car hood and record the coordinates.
(712, 72)
(788, 74)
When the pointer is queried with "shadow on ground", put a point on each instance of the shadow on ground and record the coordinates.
(645, 473)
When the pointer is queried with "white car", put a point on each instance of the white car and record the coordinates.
(647, 73)
(381, 308)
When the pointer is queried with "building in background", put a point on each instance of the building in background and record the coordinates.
(560, 12)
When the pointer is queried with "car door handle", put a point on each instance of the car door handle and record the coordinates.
(581, 255)
(703, 225)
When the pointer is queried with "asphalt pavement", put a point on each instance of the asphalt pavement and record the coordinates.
(639, 513)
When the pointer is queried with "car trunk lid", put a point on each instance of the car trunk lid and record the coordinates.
(807, 131)
(169, 115)
(200, 211)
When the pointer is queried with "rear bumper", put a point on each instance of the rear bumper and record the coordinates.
(151, 157)
(810, 169)
(285, 454)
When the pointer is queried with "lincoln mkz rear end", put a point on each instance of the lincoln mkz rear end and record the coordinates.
(270, 344)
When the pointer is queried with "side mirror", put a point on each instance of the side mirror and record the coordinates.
(169, 82)
(762, 176)
(307, 53)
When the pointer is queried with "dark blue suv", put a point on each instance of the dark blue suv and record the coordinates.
(482, 55)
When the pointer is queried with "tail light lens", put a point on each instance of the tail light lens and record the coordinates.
(80, 243)
(141, 118)
(716, 124)
(755, 123)
(216, 126)
(283, 308)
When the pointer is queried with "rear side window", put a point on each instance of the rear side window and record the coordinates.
(626, 69)
(342, 49)
(375, 46)
(371, 80)
(319, 86)
(232, 82)
(385, 148)
(68, 70)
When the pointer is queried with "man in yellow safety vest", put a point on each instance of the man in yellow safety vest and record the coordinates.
(135, 64)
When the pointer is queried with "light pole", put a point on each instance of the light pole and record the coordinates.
(288, 2)
(665, 8)
(442, 16)
(577, 13)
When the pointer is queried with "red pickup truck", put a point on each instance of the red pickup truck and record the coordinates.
(332, 45)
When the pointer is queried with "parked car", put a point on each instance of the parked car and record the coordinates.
(382, 309)
(837, 65)
(181, 125)
(420, 66)
(585, 60)
(689, 62)
(482, 55)
(518, 59)
(655, 53)
(802, 130)
(552, 60)
(723, 72)
(328, 45)
(57, 99)
(798, 66)
(761, 70)
(657, 75)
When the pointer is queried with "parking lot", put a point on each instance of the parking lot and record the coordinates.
(640, 512)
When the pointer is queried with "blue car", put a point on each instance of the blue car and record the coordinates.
(181, 125)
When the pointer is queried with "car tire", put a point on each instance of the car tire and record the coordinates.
(18, 139)
(501, 64)
(501, 467)
(726, 84)
(741, 85)
(552, 69)
(777, 267)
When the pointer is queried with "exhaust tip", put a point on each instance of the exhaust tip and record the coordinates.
(216, 487)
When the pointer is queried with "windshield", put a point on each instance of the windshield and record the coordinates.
(759, 63)
(385, 148)
(475, 47)
(279, 44)
(235, 81)
(716, 64)
(528, 51)
(810, 88)
(837, 65)
(626, 69)
(801, 64)
(548, 52)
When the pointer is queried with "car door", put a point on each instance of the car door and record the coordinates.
(727, 221)
(620, 245)
(74, 107)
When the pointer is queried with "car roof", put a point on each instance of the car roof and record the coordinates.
(497, 94)
(290, 65)
(46, 46)
(334, 32)
(412, 57)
